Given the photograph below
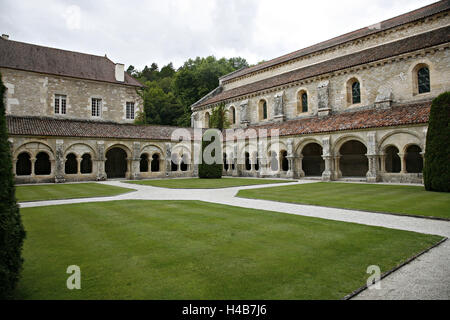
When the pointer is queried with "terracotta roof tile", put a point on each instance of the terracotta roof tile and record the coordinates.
(418, 14)
(46, 126)
(392, 49)
(364, 119)
(30, 57)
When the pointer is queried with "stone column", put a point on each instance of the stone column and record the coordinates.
(168, 166)
(402, 162)
(383, 162)
(337, 166)
(372, 172)
(299, 161)
(100, 161)
(33, 162)
(59, 162)
(244, 113)
(327, 174)
(79, 165)
(278, 107)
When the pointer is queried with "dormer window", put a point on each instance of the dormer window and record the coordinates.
(96, 107)
(60, 104)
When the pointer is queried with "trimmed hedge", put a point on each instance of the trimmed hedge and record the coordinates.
(209, 171)
(436, 171)
(12, 232)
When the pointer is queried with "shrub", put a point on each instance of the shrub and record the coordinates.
(436, 172)
(11, 229)
(210, 171)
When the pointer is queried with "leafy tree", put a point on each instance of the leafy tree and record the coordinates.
(167, 71)
(436, 172)
(160, 107)
(12, 232)
(219, 117)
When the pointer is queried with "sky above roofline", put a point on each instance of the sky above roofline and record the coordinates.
(141, 32)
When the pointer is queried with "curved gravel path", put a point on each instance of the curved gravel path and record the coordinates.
(427, 277)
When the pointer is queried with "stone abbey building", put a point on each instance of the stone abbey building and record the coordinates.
(355, 106)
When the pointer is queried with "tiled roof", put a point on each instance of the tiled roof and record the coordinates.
(46, 126)
(363, 119)
(418, 14)
(392, 49)
(30, 57)
(406, 114)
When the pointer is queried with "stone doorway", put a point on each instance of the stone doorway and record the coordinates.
(312, 164)
(116, 163)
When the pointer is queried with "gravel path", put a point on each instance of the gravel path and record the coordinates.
(427, 277)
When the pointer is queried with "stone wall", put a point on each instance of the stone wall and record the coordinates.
(58, 149)
(382, 83)
(32, 94)
(404, 31)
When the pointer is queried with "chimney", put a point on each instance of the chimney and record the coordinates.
(5, 37)
(120, 72)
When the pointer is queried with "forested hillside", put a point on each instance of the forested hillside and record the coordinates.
(169, 93)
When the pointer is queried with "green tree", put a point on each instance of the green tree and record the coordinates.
(196, 78)
(436, 172)
(160, 107)
(12, 232)
(219, 117)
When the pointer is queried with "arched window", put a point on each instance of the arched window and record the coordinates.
(263, 110)
(155, 163)
(42, 166)
(86, 164)
(143, 163)
(248, 165)
(71, 165)
(353, 91)
(284, 161)
(207, 120)
(423, 80)
(233, 115)
(302, 105)
(23, 164)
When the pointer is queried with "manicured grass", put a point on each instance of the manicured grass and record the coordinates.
(196, 183)
(66, 191)
(196, 250)
(412, 200)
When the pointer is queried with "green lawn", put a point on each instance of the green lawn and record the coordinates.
(196, 183)
(66, 191)
(411, 200)
(196, 250)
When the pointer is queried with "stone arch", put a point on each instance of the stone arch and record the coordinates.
(284, 162)
(353, 161)
(86, 163)
(392, 161)
(42, 165)
(413, 158)
(23, 164)
(144, 162)
(33, 148)
(400, 139)
(116, 164)
(79, 149)
(341, 140)
(71, 164)
(312, 161)
(155, 165)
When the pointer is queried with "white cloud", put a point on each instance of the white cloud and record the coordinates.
(72, 15)
(141, 32)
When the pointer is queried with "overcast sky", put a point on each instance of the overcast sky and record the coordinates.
(141, 32)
